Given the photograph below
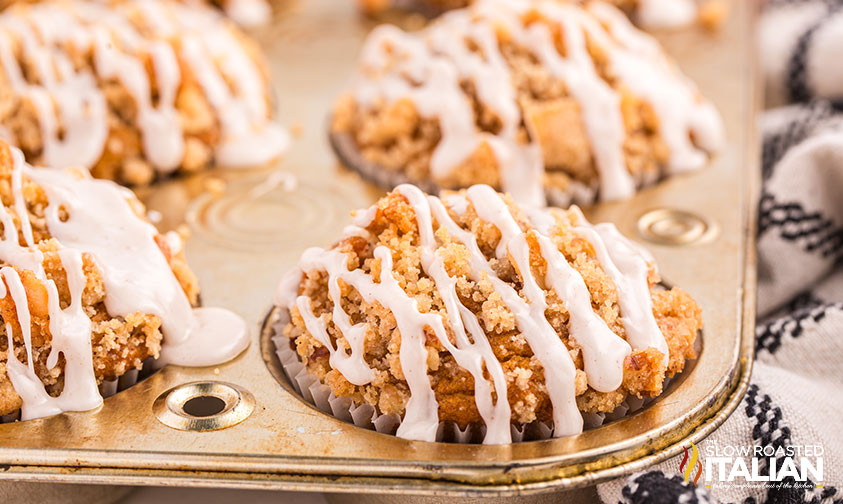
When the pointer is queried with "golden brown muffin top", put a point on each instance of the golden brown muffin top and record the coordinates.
(88, 284)
(134, 89)
(527, 96)
(433, 309)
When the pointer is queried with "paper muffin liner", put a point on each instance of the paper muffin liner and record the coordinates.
(312, 390)
(109, 387)
(577, 193)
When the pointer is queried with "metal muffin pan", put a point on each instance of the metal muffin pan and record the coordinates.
(252, 226)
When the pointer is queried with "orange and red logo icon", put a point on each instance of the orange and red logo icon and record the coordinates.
(687, 466)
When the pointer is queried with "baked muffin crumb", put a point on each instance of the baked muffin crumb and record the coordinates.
(393, 230)
(166, 87)
(118, 343)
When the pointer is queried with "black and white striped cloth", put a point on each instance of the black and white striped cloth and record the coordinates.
(796, 392)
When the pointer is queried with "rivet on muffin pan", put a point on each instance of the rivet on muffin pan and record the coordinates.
(204, 406)
(670, 226)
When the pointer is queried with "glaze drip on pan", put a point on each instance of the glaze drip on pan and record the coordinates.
(437, 309)
(518, 94)
(79, 265)
(134, 88)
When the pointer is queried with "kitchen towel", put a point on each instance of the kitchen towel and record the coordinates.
(795, 398)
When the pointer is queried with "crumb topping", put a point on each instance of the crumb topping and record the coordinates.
(527, 97)
(392, 239)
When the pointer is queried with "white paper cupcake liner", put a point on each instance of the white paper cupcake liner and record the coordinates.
(366, 416)
(107, 388)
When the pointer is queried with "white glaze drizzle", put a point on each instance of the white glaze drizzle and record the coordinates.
(473, 354)
(639, 62)
(101, 224)
(628, 265)
(73, 99)
(248, 13)
(460, 332)
(654, 14)
(70, 97)
(429, 67)
(436, 92)
(599, 103)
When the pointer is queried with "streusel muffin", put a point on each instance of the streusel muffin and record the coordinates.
(374, 7)
(90, 290)
(530, 97)
(246, 13)
(645, 13)
(435, 310)
(133, 89)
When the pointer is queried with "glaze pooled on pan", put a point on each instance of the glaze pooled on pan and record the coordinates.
(90, 290)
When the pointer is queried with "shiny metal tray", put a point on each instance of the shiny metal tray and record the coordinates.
(249, 227)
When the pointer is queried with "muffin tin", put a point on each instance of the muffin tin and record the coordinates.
(242, 425)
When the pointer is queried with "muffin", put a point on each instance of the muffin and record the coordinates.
(533, 98)
(430, 310)
(375, 7)
(645, 13)
(246, 13)
(672, 14)
(133, 89)
(90, 291)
